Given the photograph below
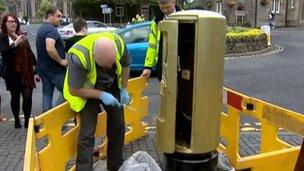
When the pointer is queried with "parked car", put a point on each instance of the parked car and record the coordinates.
(93, 27)
(65, 21)
(136, 38)
(22, 21)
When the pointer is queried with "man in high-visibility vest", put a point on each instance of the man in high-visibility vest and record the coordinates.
(98, 74)
(153, 55)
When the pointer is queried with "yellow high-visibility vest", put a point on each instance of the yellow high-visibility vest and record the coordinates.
(152, 52)
(83, 50)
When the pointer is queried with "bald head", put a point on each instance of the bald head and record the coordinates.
(104, 52)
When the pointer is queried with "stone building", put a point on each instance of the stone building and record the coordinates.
(253, 13)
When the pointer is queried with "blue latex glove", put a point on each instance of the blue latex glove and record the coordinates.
(108, 99)
(124, 97)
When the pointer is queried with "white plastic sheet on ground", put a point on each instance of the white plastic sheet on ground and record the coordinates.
(266, 29)
(140, 161)
(223, 163)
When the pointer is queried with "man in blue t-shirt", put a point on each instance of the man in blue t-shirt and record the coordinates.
(52, 64)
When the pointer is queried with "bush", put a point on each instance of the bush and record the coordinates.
(236, 29)
(242, 40)
(242, 33)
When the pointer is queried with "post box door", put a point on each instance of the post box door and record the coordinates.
(165, 120)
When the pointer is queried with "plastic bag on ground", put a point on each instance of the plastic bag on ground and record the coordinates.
(223, 163)
(140, 161)
(266, 29)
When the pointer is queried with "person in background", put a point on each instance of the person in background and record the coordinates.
(153, 55)
(51, 58)
(271, 19)
(98, 75)
(19, 61)
(2, 118)
(81, 28)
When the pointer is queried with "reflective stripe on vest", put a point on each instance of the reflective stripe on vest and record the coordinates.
(152, 51)
(83, 50)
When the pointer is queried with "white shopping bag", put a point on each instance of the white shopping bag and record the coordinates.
(140, 161)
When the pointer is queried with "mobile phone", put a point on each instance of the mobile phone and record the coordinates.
(24, 33)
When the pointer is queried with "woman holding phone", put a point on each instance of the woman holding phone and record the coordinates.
(19, 61)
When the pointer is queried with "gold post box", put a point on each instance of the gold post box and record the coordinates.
(192, 82)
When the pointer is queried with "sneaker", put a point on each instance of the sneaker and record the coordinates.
(2, 118)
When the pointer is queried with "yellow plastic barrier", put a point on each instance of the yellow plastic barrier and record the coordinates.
(275, 154)
(61, 147)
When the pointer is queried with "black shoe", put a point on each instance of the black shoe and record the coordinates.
(26, 125)
(26, 121)
(17, 124)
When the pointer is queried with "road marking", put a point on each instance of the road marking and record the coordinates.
(247, 129)
(247, 125)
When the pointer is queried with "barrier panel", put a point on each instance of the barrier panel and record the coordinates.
(275, 154)
(60, 140)
(55, 129)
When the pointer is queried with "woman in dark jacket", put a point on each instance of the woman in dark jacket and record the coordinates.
(18, 60)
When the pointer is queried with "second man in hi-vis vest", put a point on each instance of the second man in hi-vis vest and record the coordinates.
(98, 74)
(153, 55)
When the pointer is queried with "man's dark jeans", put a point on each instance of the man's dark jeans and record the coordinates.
(115, 134)
(49, 82)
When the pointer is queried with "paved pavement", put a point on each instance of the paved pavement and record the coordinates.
(12, 141)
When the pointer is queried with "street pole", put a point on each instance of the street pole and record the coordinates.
(256, 13)
(286, 14)
(70, 9)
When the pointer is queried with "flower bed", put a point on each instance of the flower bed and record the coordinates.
(242, 40)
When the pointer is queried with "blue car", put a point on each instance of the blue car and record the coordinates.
(136, 38)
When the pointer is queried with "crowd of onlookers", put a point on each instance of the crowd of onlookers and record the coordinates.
(21, 70)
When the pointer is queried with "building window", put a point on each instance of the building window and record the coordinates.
(276, 5)
(292, 4)
(144, 10)
(218, 7)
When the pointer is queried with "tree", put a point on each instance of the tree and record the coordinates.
(153, 2)
(2, 6)
(44, 5)
(12, 5)
(198, 4)
(120, 2)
